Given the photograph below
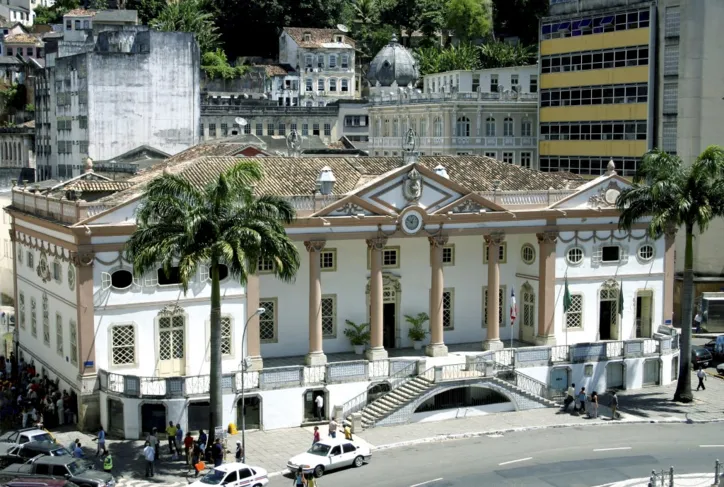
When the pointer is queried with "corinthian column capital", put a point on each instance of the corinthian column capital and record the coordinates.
(547, 237)
(314, 245)
(438, 240)
(494, 239)
(376, 243)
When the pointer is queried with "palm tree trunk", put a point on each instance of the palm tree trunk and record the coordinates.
(216, 403)
(683, 387)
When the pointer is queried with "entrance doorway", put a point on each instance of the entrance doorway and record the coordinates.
(252, 412)
(198, 415)
(388, 325)
(527, 314)
(153, 416)
(116, 420)
(171, 345)
(643, 314)
(608, 312)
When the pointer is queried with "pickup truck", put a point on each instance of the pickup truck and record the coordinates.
(76, 470)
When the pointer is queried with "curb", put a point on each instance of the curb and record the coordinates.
(703, 477)
(478, 434)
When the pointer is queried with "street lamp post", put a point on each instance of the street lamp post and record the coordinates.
(243, 373)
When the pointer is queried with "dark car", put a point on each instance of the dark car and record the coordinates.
(11, 453)
(40, 482)
(716, 348)
(700, 357)
(76, 470)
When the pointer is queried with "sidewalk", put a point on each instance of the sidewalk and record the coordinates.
(689, 480)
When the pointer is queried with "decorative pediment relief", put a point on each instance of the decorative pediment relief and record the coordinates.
(171, 309)
(351, 206)
(469, 206)
(606, 195)
(349, 209)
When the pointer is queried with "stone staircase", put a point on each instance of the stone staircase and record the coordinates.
(509, 383)
(394, 400)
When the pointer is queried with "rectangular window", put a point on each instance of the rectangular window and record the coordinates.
(83, 122)
(610, 253)
(671, 58)
(508, 157)
(448, 308)
(448, 255)
(259, 129)
(525, 159)
(59, 334)
(390, 257)
(534, 83)
(33, 318)
(57, 272)
(315, 129)
(77, 25)
(672, 23)
(270, 129)
(282, 129)
(320, 84)
(574, 316)
(268, 320)
(493, 83)
(502, 253)
(308, 84)
(671, 98)
(224, 130)
(46, 323)
(21, 309)
(73, 342)
(327, 129)
(345, 61)
(212, 130)
(226, 339)
(305, 129)
(332, 61)
(669, 133)
(247, 129)
(123, 345)
(501, 306)
(332, 84)
(68, 25)
(492, 155)
(345, 86)
(328, 260)
(514, 79)
(329, 316)
(265, 265)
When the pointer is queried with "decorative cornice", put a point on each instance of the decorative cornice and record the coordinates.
(314, 245)
(494, 239)
(171, 309)
(547, 237)
(438, 240)
(83, 259)
(51, 250)
(376, 243)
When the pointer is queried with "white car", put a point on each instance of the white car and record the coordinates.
(234, 475)
(328, 455)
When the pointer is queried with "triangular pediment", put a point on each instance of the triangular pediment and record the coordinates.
(601, 193)
(351, 205)
(416, 185)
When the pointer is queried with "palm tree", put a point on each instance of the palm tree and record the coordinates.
(221, 224)
(189, 16)
(674, 195)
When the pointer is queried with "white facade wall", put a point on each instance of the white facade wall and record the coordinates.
(463, 80)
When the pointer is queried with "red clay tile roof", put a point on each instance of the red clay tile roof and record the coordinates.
(318, 36)
(97, 186)
(23, 38)
(274, 69)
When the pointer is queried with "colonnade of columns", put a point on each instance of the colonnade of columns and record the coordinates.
(546, 291)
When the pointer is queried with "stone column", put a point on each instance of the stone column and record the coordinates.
(546, 288)
(437, 347)
(493, 242)
(669, 270)
(376, 350)
(316, 353)
(253, 340)
(479, 129)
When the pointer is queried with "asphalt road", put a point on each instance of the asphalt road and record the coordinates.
(563, 457)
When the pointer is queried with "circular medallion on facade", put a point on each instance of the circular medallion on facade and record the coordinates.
(412, 222)
(611, 196)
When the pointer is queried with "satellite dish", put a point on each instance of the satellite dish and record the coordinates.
(342, 28)
(241, 121)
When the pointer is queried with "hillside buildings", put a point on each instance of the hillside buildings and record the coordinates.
(111, 86)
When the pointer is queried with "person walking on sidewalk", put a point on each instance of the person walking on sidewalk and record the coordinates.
(153, 442)
(179, 438)
(319, 401)
(332, 428)
(315, 438)
(582, 401)
(569, 397)
(188, 446)
(614, 404)
(149, 455)
(101, 441)
(239, 452)
(217, 452)
(702, 377)
(593, 406)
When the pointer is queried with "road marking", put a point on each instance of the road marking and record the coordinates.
(426, 482)
(613, 449)
(515, 461)
(495, 436)
(711, 446)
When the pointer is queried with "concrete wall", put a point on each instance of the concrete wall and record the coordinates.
(461, 413)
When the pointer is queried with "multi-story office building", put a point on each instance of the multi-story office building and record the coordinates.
(597, 78)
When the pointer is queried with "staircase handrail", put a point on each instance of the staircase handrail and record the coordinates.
(359, 402)
(536, 387)
(428, 374)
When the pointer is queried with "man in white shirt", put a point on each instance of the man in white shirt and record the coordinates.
(569, 397)
(319, 401)
(149, 454)
(702, 377)
(697, 322)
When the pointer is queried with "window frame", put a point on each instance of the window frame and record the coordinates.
(503, 248)
(112, 347)
(274, 319)
(641, 258)
(525, 247)
(59, 334)
(502, 290)
(334, 317)
(333, 253)
(451, 249)
(580, 313)
(395, 248)
(73, 337)
(568, 253)
(450, 291)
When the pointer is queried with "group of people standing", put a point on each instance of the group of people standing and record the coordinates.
(196, 451)
(587, 404)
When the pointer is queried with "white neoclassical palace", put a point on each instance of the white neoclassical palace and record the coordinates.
(381, 238)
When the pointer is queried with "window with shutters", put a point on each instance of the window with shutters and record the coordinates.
(123, 345)
(59, 334)
(329, 316)
(268, 320)
(73, 331)
(526, 128)
(609, 254)
(437, 127)
(508, 127)
(528, 294)
(501, 306)
(490, 127)
(46, 321)
(448, 308)
(671, 98)
(574, 315)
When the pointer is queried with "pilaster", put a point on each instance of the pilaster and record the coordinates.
(546, 287)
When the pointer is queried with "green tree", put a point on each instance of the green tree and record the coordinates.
(519, 18)
(452, 58)
(147, 9)
(189, 16)
(222, 224)
(411, 16)
(469, 19)
(215, 65)
(428, 60)
(674, 195)
(501, 55)
(54, 14)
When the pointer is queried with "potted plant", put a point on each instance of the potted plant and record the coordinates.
(359, 335)
(416, 332)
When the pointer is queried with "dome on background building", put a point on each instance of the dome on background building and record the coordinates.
(393, 64)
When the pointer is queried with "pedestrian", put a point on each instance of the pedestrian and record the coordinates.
(217, 452)
(315, 438)
(196, 458)
(702, 377)
(347, 431)
(311, 481)
(188, 446)
(179, 438)
(697, 322)
(569, 397)
(61, 410)
(78, 451)
(152, 440)
(582, 401)
(149, 454)
(171, 435)
(202, 440)
(332, 428)
(319, 401)
(614, 404)
(239, 452)
(71, 447)
(593, 407)
(107, 462)
(101, 441)
(299, 479)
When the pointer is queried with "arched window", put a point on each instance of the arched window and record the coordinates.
(490, 127)
(395, 128)
(463, 127)
(528, 315)
(526, 128)
(387, 128)
(437, 127)
(508, 127)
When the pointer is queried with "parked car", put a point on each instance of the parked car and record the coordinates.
(40, 482)
(26, 435)
(234, 475)
(700, 357)
(76, 470)
(716, 347)
(11, 453)
(330, 454)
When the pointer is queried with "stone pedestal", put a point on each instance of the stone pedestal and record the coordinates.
(549, 341)
(256, 363)
(493, 344)
(373, 354)
(315, 358)
(436, 350)
(356, 422)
